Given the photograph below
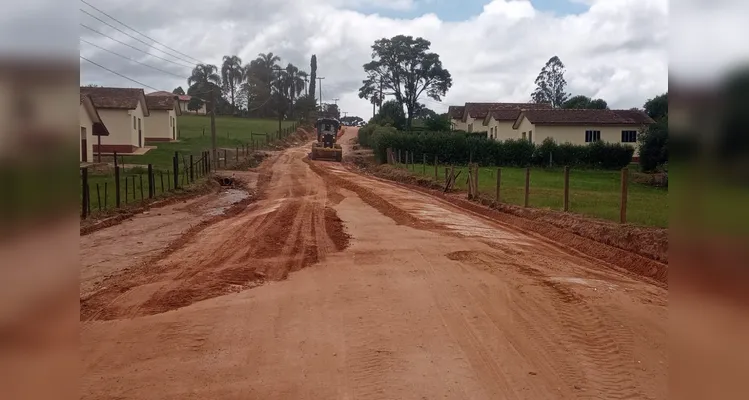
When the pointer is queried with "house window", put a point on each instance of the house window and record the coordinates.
(530, 136)
(524, 135)
(470, 127)
(134, 122)
(629, 136)
(83, 133)
(592, 136)
(138, 123)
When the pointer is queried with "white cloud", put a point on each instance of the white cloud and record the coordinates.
(617, 50)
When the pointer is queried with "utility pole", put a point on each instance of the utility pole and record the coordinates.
(345, 114)
(335, 101)
(320, 89)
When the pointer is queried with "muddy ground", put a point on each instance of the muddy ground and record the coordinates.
(312, 281)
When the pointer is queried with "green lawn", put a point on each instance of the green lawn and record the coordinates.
(592, 192)
(231, 132)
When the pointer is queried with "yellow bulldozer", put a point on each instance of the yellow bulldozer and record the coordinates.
(326, 147)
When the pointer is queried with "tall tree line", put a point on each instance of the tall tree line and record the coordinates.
(262, 88)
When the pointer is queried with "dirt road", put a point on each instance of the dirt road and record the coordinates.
(336, 286)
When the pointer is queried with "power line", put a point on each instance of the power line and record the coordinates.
(117, 73)
(138, 82)
(142, 34)
(133, 60)
(135, 48)
(131, 36)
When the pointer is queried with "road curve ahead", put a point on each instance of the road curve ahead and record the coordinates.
(337, 286)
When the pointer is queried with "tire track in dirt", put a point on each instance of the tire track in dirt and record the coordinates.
(605, 350)
(287, 229)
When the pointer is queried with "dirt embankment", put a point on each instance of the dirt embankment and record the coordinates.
(641, 250)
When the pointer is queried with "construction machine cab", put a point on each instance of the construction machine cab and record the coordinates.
(327, 131)
(326, 148)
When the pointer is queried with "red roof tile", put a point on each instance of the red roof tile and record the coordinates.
(119, 98)
(455, 112)
(481, 110)
(160, 102)
(182, 97)
(587, 117)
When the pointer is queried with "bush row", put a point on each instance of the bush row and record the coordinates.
(457, 148)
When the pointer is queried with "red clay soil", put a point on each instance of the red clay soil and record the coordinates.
(641, 250)
(279, 230)
(108, 219)
(410, 296)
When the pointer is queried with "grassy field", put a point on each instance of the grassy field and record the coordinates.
(592, 192)
(231, 132)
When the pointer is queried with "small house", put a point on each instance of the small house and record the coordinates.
(92, 129)
(162, 119)
(123, 112)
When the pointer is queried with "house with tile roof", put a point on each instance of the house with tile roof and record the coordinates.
(581, 126)
(162, 118)
(92, 128)
(123, 112)
(184, 100)
(472, 116)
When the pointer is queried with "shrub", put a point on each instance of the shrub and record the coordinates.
(654, 146)
(461, 148)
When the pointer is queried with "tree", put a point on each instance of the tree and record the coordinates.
(179, 91)
(205, 81)
(581, 102)
(391, 113)
(422, 112)
(260, 74)
(331, 110)
(657, 107)
(550, 84)
(653, 145)
(406, 69)
(232, 76)
(194, 104)
(313, 75)
(438, 123)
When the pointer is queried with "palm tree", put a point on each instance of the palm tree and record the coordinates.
(231, 74)
(204, 75)
(203, 80)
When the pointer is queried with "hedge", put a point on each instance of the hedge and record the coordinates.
(458, 148)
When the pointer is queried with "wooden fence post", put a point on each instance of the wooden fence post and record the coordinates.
(226, 158)
(161, 174)
(84, 193)
(424, 164)
(236, 154)
(175, 166)
(499, 181)
(566, 188)
(436, 164)
(150, 181)
(623, 206)
(125, 189)
(399, 157)
(527, 186)
(192, 170)
(117, 200)
(106, 193)
(470, 181)
(140, 179)
(476, 181)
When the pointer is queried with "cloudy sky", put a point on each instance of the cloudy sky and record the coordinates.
(613, 49)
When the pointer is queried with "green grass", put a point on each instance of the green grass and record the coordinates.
(130, 191)
(231, 133)
(592, 192)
